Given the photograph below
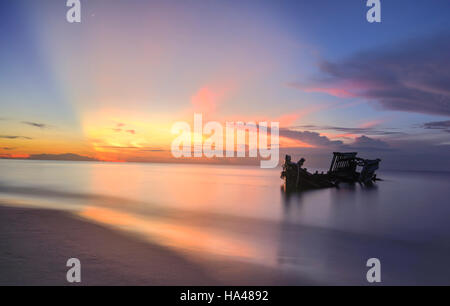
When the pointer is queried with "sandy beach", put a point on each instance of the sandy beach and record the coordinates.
(35, 245)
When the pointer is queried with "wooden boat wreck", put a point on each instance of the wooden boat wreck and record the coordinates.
(344, 168)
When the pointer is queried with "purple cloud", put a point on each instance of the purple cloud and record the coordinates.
(413, 76)
(438, 125)
(367, 143)
(312, 138)
(353, 130)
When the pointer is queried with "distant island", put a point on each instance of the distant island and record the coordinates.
(65, 157)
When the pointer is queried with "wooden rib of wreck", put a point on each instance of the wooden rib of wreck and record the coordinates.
(344, 168)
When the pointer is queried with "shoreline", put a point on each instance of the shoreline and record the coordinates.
(35, 245)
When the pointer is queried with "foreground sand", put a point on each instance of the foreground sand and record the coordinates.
(35, 245)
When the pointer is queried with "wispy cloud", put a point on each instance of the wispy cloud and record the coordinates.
(154, 150)
(120, 128)
(14, 137)
(438, 125)
(353, 130)
(142, 149)
(35, 124)
(210, 97)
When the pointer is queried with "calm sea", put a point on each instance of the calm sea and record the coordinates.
(242, 213)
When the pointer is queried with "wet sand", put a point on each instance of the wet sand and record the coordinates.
(35, 245)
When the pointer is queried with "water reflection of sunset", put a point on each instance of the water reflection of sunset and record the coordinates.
(197, 188)
(178, 236)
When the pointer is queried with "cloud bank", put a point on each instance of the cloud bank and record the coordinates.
(413, 76)
(311, 138)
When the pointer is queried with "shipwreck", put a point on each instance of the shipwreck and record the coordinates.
(345, 167)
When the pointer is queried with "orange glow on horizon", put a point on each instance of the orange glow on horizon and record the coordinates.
(339, 136)
(294, 143)
(13, 155)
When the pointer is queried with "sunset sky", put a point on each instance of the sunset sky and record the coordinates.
(112, 86)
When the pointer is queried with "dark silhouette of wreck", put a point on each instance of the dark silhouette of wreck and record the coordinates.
(343, 168)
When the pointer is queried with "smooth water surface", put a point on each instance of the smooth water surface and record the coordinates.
(242, 213)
